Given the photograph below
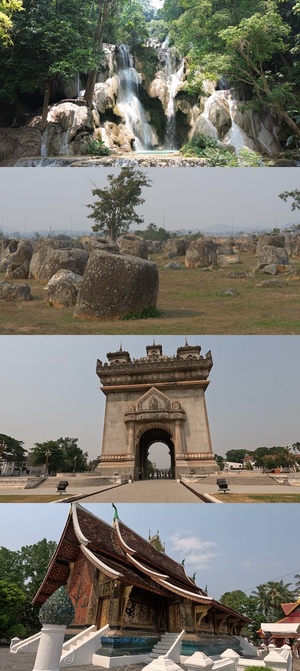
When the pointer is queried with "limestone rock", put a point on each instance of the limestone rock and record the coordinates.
(176, 246)
(105, 94)
(114, 285)
(219, 113)
(270, 254)
(226, 260)
(201, 253)
(17, 263)
(10, 292)
(62, 288)
(275, 240)
(102, 244)
(68, 131)
(16, 143)
(276, 284)
(47, 261)
(273, 269)
(132, 244)
(173, 266)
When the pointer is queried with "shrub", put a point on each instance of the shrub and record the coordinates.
(97, 148)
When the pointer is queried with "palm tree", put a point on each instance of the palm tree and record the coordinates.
(271, 595)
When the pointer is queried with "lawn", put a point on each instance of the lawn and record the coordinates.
(258, 498)
(190, 301)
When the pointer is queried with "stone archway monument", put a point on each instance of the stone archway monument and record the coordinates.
(156, 398)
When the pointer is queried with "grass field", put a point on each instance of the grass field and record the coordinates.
(258, 498)
(190, 301)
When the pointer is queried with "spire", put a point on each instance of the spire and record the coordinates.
(116, 516)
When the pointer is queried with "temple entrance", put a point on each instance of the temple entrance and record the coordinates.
(155, 437)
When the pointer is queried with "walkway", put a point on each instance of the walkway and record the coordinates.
(25, 662)
(146, 491)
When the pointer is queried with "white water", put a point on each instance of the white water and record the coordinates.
(130, 106)
(235, 136)
(174, 78)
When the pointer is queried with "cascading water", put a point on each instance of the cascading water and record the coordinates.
(173, 81)
(129, 104)
(236, 135)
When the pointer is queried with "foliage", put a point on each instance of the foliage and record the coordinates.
(146, 313)
(271, 595)
(7, 10)
(22, 572)
(131, 25)
(285, 195)
(236, 456)
(97, 148)
(60, 33)
(215, 155)
(13, 449)
(249, 158)
(114, 210)
(62, 455)
(152, 232)
(220, 461)
(12, 599)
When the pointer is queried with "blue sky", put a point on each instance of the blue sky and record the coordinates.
(235, 546)
(50, 388)
(186, 198)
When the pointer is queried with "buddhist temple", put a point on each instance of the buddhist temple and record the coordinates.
(114, 576)
(285, 629)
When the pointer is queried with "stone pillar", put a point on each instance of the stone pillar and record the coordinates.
(130, 438)
(56, 613)
(275, 660)
(50, 647)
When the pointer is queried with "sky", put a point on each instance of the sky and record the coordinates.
(49, 388)
(229, 547)
(180, 198)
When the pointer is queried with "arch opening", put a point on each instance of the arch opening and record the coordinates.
(157, 442)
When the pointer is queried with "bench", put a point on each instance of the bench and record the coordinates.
(223, 485)
(62, 486)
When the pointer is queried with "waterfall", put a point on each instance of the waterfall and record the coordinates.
(235, 135)
(174, 77)
(129, 104)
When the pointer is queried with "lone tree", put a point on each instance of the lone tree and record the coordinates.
(114, 209)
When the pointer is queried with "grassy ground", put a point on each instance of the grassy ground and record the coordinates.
(31, 498)
(258, 498)
(190, 301)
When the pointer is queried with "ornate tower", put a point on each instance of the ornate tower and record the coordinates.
(156, 398)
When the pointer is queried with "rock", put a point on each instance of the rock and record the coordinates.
(133, 245)
(276, 240)
(62, 289)
(204, 126)
(68, 131)
(273, 269)
(270, 254)
(154, 246)
(47, 261)
(292, 245)
(201, 253)
(229, 292)
(114, 286)
(16, 143)
(105, 94)
(10, 292)
(270, 283)
(217, 109)
(226, 260)
(173, 266)
(102, 244)
(176, 246)
(17, 263)
(238, 275)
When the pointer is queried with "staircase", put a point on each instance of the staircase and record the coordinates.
(168, 646)
(81, 648)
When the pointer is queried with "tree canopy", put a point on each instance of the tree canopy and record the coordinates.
(62, 454)
(12, 450)
(114, 210)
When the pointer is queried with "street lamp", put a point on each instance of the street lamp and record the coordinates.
(47, 455)
(75, 462)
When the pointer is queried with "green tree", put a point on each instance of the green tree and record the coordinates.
(51, 39)
(12, 450)
(12, 600)
(114, 210)
(220, 461)
(271, 595)
(7, 11)
(245, 605)
(236, 456)
(62, 454)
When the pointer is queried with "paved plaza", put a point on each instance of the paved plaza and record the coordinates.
(25, 662)
(92, 488)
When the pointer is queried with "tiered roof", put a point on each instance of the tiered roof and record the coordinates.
(123, 555)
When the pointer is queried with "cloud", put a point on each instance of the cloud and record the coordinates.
(196, 552)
